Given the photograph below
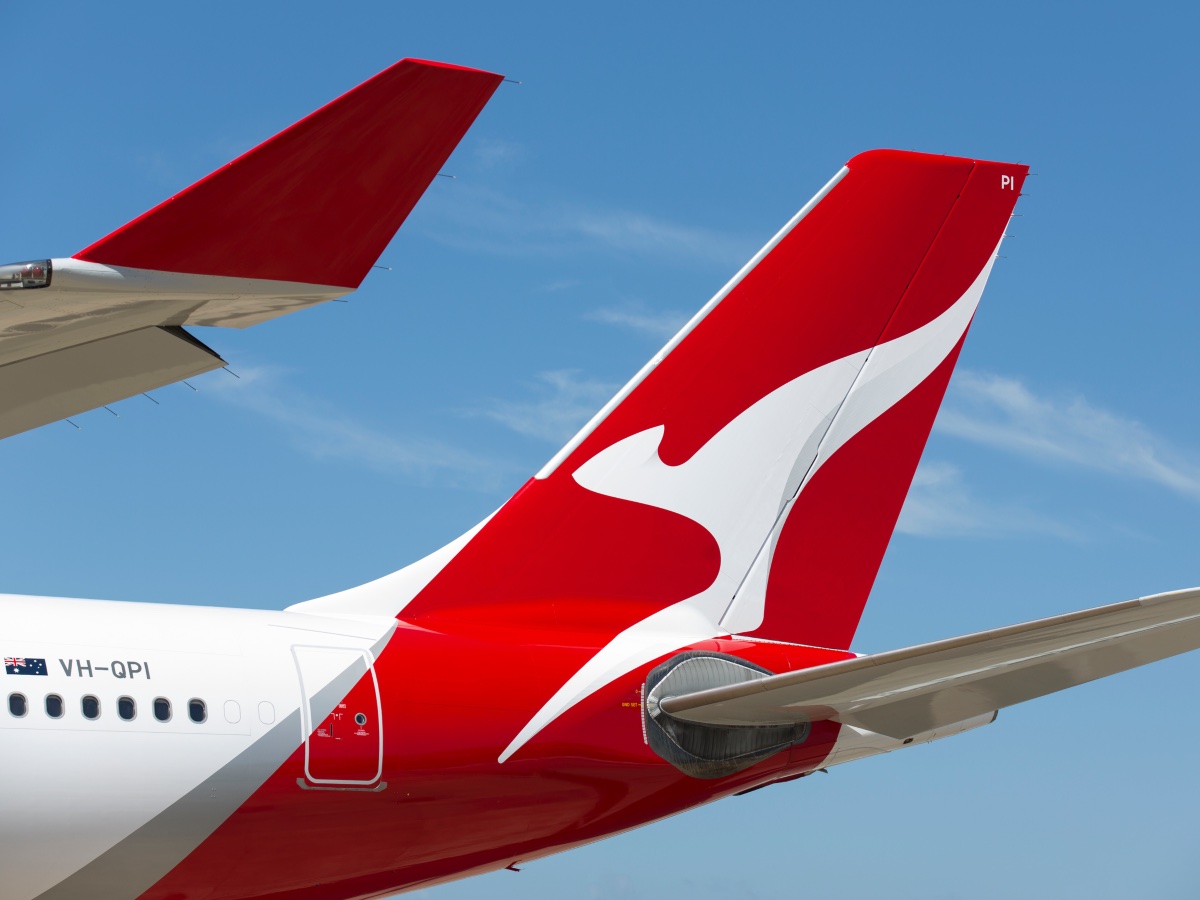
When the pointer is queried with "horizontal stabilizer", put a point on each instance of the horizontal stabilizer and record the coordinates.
(318, 202)
(905, 692)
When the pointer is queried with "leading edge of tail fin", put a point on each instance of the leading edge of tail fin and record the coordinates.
(318, 202)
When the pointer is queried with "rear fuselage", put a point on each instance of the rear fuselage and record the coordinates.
(191, 752)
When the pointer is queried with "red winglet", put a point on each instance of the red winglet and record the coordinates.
(318, 202)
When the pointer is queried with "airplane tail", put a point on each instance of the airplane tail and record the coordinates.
(748, 479)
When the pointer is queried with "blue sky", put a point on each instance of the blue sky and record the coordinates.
(647, 154)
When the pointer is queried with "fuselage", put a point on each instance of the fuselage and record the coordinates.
(189, 752)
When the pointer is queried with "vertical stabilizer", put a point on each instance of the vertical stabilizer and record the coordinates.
(748, 479)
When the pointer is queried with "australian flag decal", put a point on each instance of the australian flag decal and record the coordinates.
(24, 665)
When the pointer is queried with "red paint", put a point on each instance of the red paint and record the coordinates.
(449, 806)
(557, 554)
(318, 202)
(964, 244)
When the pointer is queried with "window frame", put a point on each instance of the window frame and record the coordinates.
(83, 707)
(170, 709)
(15, 695)
(203, 711)
(132, 706)
(62, 706)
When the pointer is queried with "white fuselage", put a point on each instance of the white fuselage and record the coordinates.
(103, 775)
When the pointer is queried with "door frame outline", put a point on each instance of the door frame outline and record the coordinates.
(307, 725)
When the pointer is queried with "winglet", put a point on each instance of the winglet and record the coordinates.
(318, 202)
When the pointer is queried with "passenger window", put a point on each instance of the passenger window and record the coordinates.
(54, 706)
(18, 705)
(90, 706)
(162, 709)
(197, 711)
(126, 708)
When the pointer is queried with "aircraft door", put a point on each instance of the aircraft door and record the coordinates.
(341, 716)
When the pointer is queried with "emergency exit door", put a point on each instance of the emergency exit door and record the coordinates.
(341, 716)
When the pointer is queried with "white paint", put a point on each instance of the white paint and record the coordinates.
(857, 743)
(218, 655)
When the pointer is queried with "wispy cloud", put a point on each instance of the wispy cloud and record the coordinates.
(637, 317)
(175, 170)
(1005, 414)
(485, 220)
(940, 504)
(490, 153)
(158, 169)
(563, 403)
(315, 427)
(639, 233)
